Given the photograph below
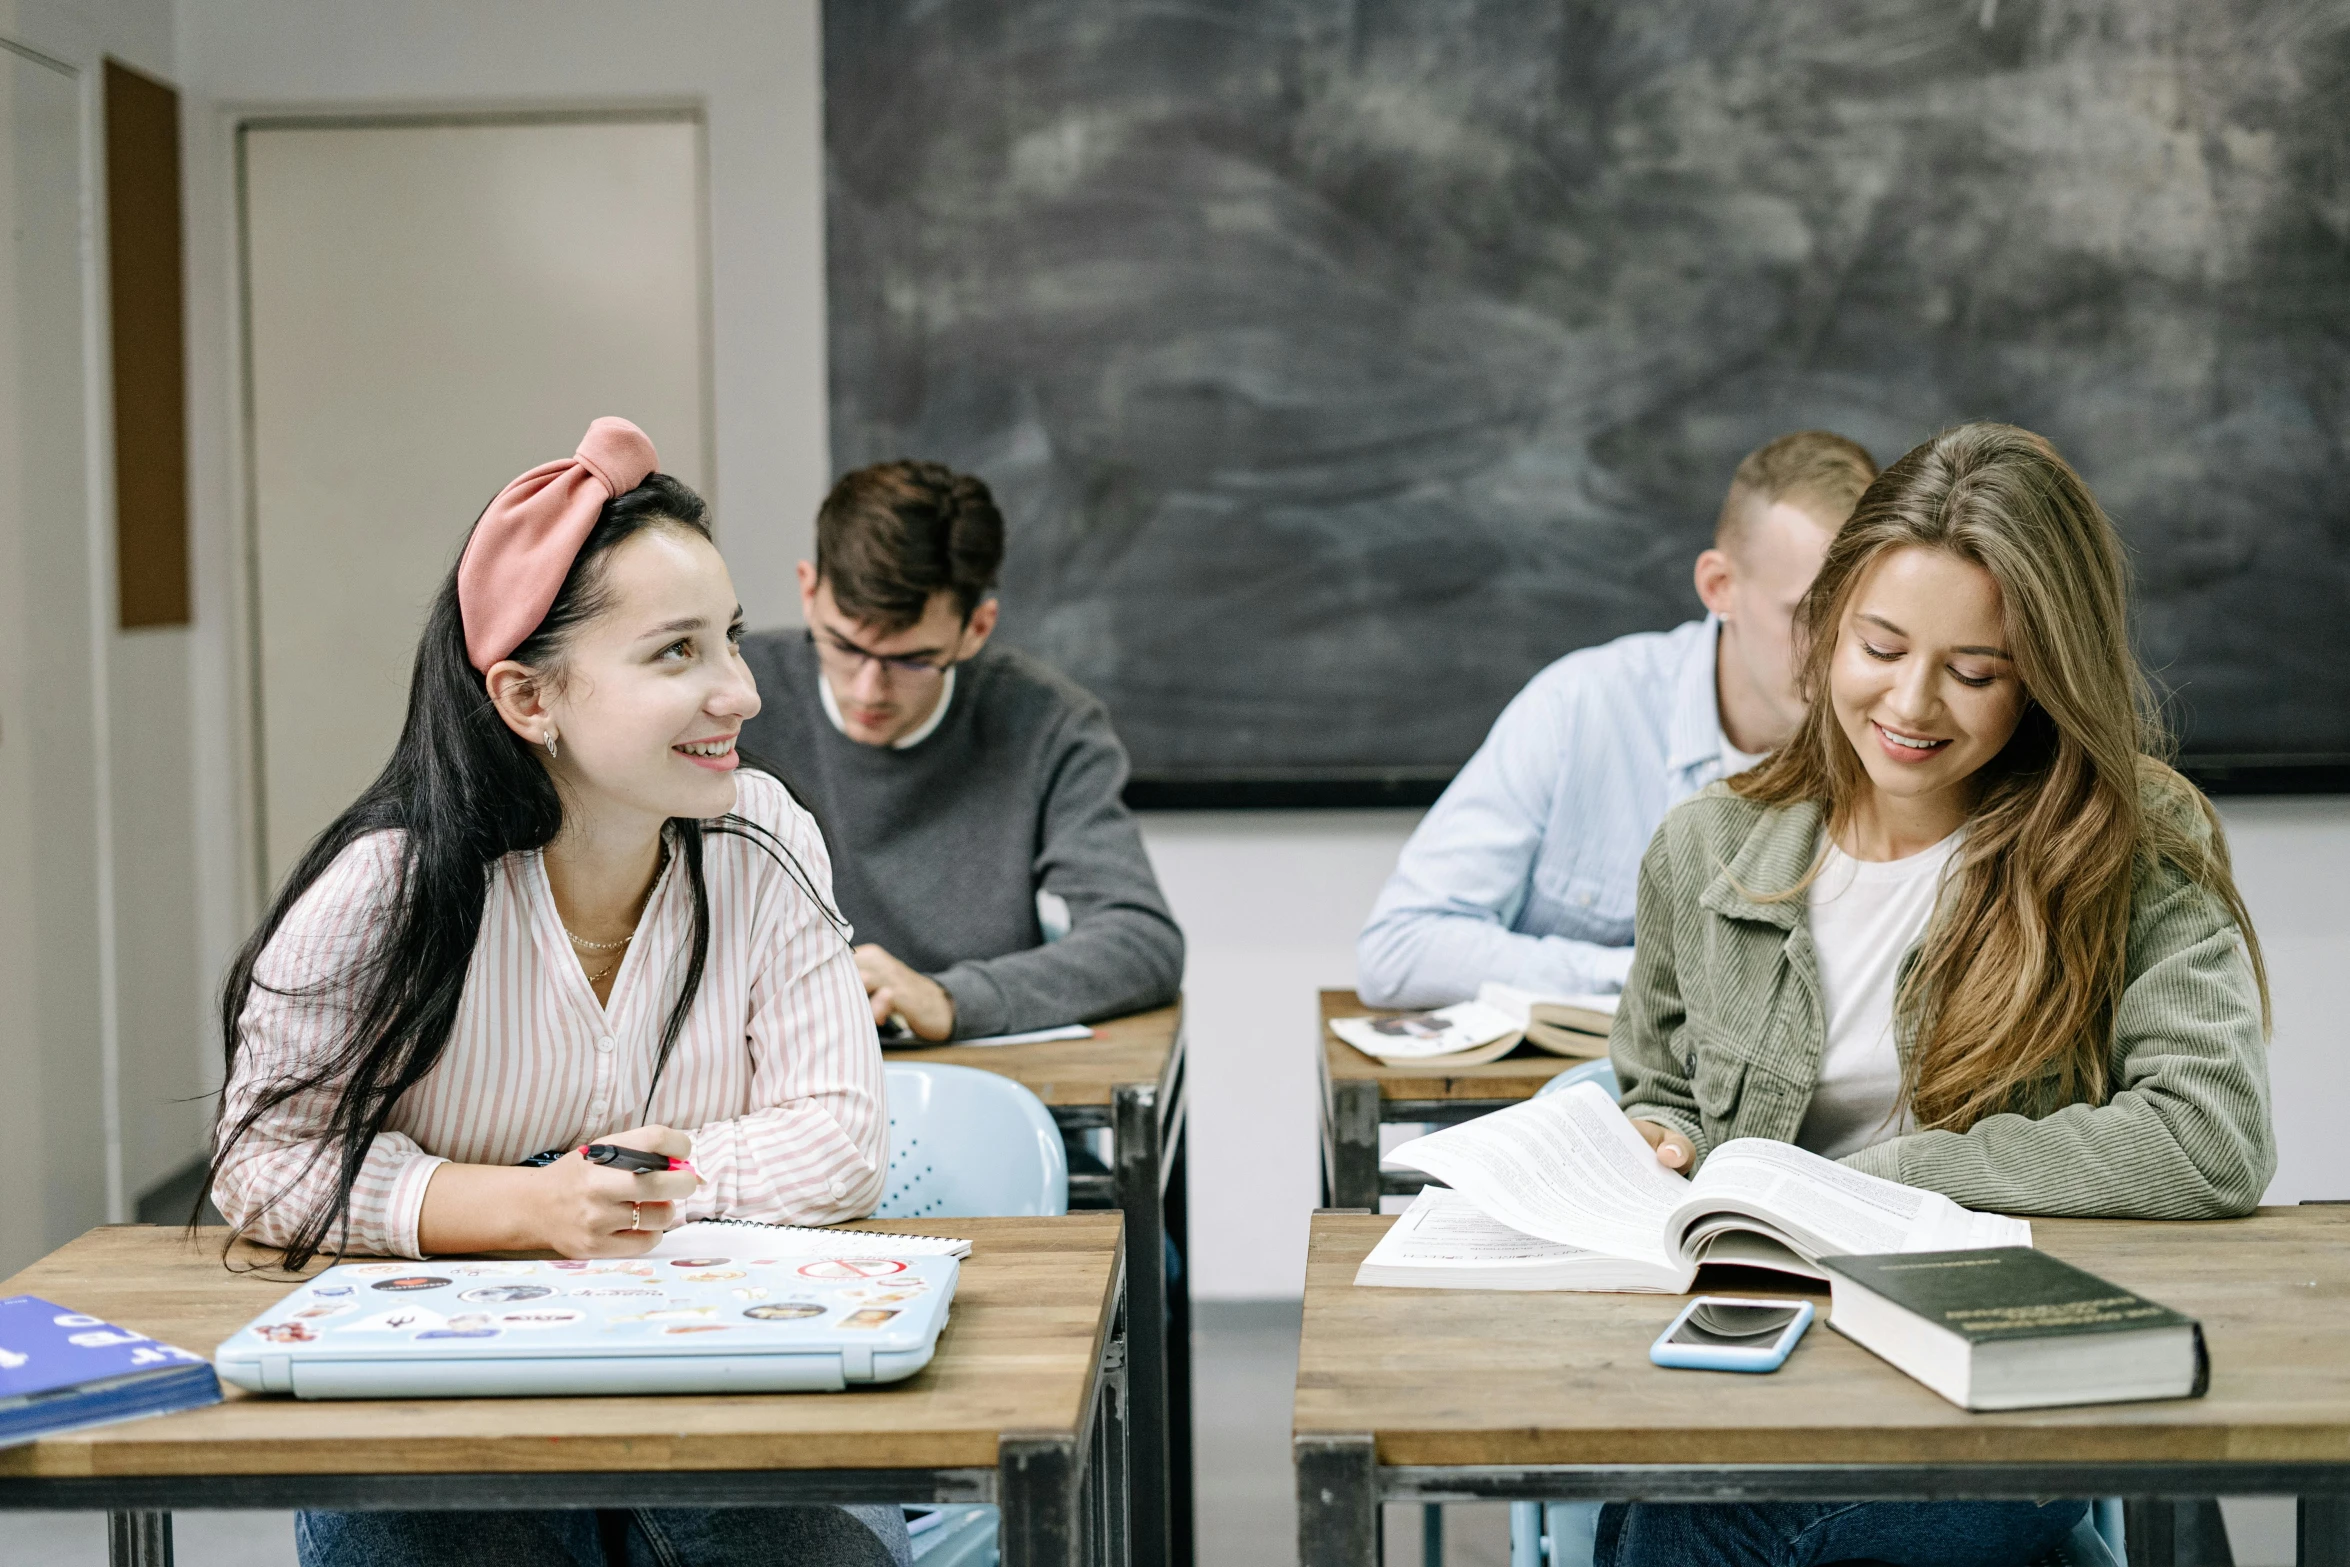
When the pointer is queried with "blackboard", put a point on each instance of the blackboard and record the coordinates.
(1338, 365)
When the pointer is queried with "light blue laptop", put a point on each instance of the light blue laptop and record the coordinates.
(736, 1318)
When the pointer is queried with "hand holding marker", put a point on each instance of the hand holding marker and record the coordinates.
(635, 1160)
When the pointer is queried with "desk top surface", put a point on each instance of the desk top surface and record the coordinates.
(1019, 1355)
(1453, 1377)
(1518, 1075)
(1131, 1049)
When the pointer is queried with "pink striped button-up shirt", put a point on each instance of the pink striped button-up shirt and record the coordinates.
(776, 1074)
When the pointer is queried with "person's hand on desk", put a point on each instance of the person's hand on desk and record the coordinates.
(1674, 1151)
(922, 1001)
(571, 1207)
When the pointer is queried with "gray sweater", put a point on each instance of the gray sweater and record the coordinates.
(939, 850)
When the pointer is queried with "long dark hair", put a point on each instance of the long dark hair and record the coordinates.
(464, 790)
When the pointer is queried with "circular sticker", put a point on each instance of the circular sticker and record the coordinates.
(715, 1277)
(541, 1317)
(506, 1294)
(413, 1281)
(700, 1262)
(782, 1313)
(845, 1268)
(326, 1291)
(698, 1327)
(288, 1333)
(609, 1291)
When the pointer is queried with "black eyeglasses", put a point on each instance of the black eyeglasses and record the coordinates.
(848, 656)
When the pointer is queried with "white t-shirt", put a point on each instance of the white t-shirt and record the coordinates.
(1865, 914)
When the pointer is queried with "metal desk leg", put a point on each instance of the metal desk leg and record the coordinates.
(1181, 1516)
(1140, 1161)
(138, 1539)
(1350, 1145)
(1064, 1502)
(1037, 1486)
(2150, 1525)
(2324, 1531)
(1337, 1502)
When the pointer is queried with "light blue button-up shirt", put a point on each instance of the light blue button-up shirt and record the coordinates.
(1525, 870)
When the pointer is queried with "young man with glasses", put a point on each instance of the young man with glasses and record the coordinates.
(969, 793)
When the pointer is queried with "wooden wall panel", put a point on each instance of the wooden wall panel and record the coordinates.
(150, 365)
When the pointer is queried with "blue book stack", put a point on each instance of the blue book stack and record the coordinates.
(61, 1370)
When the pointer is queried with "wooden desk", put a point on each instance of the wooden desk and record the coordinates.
(1129, 1078)
(1024, 1406)
(1448, 1395)
(1360, 1093)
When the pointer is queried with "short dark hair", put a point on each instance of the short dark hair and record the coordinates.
(1819, 471)
(892, 537)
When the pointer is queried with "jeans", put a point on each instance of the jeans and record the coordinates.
(861, 1536)
(1811, 1534)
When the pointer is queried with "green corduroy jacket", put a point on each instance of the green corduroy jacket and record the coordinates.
(1720, 1029)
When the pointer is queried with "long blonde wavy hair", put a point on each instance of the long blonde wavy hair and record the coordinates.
(2017, 982)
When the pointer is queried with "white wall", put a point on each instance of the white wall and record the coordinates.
(1271, 901)
(143, 964)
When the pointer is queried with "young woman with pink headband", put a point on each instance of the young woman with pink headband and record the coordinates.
(561, 915)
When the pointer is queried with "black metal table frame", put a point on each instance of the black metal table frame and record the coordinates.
(1063, 1499)
(1353, 1112)
(1149, 1125)
(1341, 1484)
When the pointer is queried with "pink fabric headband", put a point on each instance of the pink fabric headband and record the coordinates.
(524, 544)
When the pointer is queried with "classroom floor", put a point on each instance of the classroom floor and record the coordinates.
(1244, 1355)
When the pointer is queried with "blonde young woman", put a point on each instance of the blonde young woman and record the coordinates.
(1964, 930)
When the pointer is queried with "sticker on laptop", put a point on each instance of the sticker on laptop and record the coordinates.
(699, 1327)
(287, 1333)
(506, 1294)
(700, 1262)
(616, 1292)
(541, 1317)
(782, 1311)
(318, 1311)
(447, 1333)
(403, 1319)
(868, 1318)
(851, 1268)
(495, 1270)
(412, 1281)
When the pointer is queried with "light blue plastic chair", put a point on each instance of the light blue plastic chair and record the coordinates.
(963, 1144)
(1562, 1534)
(966, 1143)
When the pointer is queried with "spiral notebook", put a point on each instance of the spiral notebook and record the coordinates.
(800, 1240)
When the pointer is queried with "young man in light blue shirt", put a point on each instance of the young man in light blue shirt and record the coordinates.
(1524, 871)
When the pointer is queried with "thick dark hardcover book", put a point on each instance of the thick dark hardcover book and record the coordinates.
(2009, 1309)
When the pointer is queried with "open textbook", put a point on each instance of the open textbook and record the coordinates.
(1470, 1033)
(1561, 1193)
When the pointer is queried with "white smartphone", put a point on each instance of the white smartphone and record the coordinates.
(1723, 1333)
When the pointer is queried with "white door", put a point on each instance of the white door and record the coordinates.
(52, 1080)
(433, 308)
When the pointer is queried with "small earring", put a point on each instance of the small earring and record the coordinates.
(551, 751)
